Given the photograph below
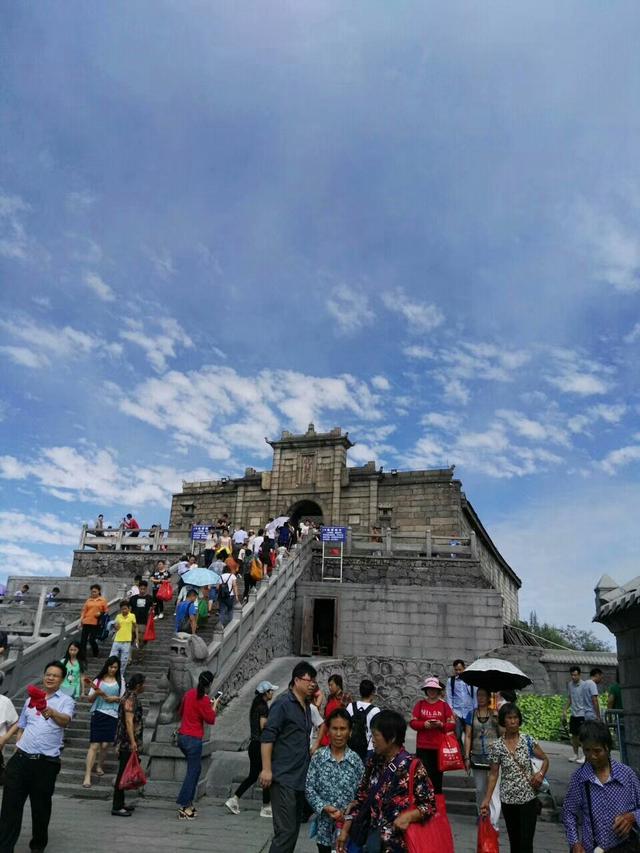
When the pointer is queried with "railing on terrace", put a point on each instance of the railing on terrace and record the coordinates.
(145, 539)
(398, 542)
(25, 663)
(34, 615)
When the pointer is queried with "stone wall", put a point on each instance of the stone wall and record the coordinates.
(119, 564)
(412, 571)
(625, 624)
(403, 621)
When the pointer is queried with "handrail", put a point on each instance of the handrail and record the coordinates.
(119, 539)
(390, 541)
(27, 663)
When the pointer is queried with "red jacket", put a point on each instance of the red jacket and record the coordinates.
(332, 704)
(423, 711)
(195, 712)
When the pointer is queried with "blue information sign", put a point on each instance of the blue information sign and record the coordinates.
(333, 534)
(199, 532)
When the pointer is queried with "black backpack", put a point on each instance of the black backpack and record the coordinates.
(359, 740)
(223, 591)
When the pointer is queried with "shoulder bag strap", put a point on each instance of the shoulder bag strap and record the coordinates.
(412, 773)
(522, 769)
(587, 789)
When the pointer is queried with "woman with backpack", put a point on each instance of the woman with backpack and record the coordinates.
(227, 594)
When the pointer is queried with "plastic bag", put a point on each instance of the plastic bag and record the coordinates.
(133, 774)
(432, 835)
(488, 838)
(165, 591)
(150, 630)
(449, 754)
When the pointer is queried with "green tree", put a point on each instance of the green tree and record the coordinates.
(568, 636)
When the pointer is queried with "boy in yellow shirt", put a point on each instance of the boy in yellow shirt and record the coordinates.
(125, 626)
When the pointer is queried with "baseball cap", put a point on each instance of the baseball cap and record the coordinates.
(265, 687)
(431, 681)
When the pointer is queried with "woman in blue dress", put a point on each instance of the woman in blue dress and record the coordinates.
(333, 777)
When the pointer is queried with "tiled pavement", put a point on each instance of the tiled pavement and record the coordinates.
(78, 826)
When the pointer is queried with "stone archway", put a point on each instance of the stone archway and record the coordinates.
(307, 509)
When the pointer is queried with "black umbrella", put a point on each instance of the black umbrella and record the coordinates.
(495, 674)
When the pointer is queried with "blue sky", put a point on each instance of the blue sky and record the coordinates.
(418, 221)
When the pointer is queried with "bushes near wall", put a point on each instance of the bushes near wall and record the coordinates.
(542, 716)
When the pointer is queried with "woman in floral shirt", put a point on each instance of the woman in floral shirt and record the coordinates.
(128, 736)
(383, 798)
(333, 778)
(519, 784)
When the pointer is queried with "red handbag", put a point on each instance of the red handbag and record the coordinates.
(132, 775)
(488, 838)
(433, 835)
(449, 754)
(165, 591)
(150, 630)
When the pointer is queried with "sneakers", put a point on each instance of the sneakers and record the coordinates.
(580, 760)
(233, 805)
(573, 758)
(265, 811)
(160, 616)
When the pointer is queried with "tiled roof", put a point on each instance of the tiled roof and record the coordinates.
(621, 598)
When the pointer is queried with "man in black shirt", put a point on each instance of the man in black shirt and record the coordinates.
(285, 756)
(140, 605)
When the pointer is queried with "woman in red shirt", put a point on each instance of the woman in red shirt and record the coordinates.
(431, 718)
(335, 700)
(197, 709)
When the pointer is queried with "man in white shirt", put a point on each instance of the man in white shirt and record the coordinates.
(365, 708)
(240, 536)
(8, 716)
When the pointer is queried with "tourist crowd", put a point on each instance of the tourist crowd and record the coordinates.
(336, 759)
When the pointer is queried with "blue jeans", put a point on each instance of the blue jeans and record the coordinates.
(191, 748)
(226, 610)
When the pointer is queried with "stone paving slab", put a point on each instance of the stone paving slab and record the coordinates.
(78, 826)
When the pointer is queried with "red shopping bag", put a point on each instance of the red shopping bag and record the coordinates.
(488, 838)
(434, 835)
(150, 630)
(165, 591)
(449, 754)
(133, 774)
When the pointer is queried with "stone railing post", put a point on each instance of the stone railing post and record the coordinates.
(119, 536)
(61, 647)
(388, 542)
(37, 619)
(473, 545)
(83, 536)
(157, 535)
(16, 673)
(428, 547)
(349, 543)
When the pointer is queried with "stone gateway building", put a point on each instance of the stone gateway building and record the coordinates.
(309, 478)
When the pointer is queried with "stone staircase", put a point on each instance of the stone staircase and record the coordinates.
(152, 661)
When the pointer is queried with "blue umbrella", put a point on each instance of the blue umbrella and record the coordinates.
(201, 577)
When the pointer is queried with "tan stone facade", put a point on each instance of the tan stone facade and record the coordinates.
(310, 478)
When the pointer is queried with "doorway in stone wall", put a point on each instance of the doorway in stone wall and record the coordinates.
(306, 509)
(324, 626)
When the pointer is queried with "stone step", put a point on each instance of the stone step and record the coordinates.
(71, 789)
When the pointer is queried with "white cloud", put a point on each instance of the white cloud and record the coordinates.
(161, 261)
(43, 529)
(350, 308)
(418, 352)
(616, 248)
(532, 429)
(574, 374)
(25, 357)
(14, 242)
(96, 475)
(421, 317)
(381, 383)
(160, 347)
(18, 560)
(455, 391)
(633, 335)
(101, 289)
(620, 458)
(558, 571)
(218, 408)
(440, 420)
(80, 200)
